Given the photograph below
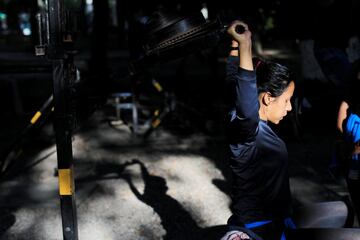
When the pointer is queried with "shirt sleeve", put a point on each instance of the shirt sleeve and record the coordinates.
(244, 117)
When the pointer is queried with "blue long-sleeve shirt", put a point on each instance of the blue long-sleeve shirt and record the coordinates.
(258, 157)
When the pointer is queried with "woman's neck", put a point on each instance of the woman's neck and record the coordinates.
(262, 113)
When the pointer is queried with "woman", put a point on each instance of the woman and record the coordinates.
(258, 157)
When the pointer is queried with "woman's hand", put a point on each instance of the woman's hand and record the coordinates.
(243, 42)
(356, 148)
(235, 235)
(241, 38)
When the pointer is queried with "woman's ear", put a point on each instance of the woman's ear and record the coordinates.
(267, 99)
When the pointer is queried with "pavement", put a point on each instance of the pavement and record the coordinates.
(172, 185)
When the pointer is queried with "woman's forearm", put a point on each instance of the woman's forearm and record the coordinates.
(342, 114)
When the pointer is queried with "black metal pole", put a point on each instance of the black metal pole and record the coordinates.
(36, 122)
(64, 116)
(63, 125)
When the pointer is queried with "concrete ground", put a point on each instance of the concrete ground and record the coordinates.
(125, 188)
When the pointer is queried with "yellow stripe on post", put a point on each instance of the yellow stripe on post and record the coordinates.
(35, 117)
(65, 182)
(157, 86)
(156, 123)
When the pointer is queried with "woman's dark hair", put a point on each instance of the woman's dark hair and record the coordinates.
(272, 77)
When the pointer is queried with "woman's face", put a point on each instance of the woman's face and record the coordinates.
(279, 106)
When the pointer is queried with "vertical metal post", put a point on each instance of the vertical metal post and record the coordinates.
(63, 123)
(64, 116)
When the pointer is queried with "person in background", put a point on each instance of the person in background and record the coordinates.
(348, 124)
(261, 92)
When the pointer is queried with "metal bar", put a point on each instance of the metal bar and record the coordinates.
(16, 148)
(56, 14)
(63, 131)
(55, 22)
